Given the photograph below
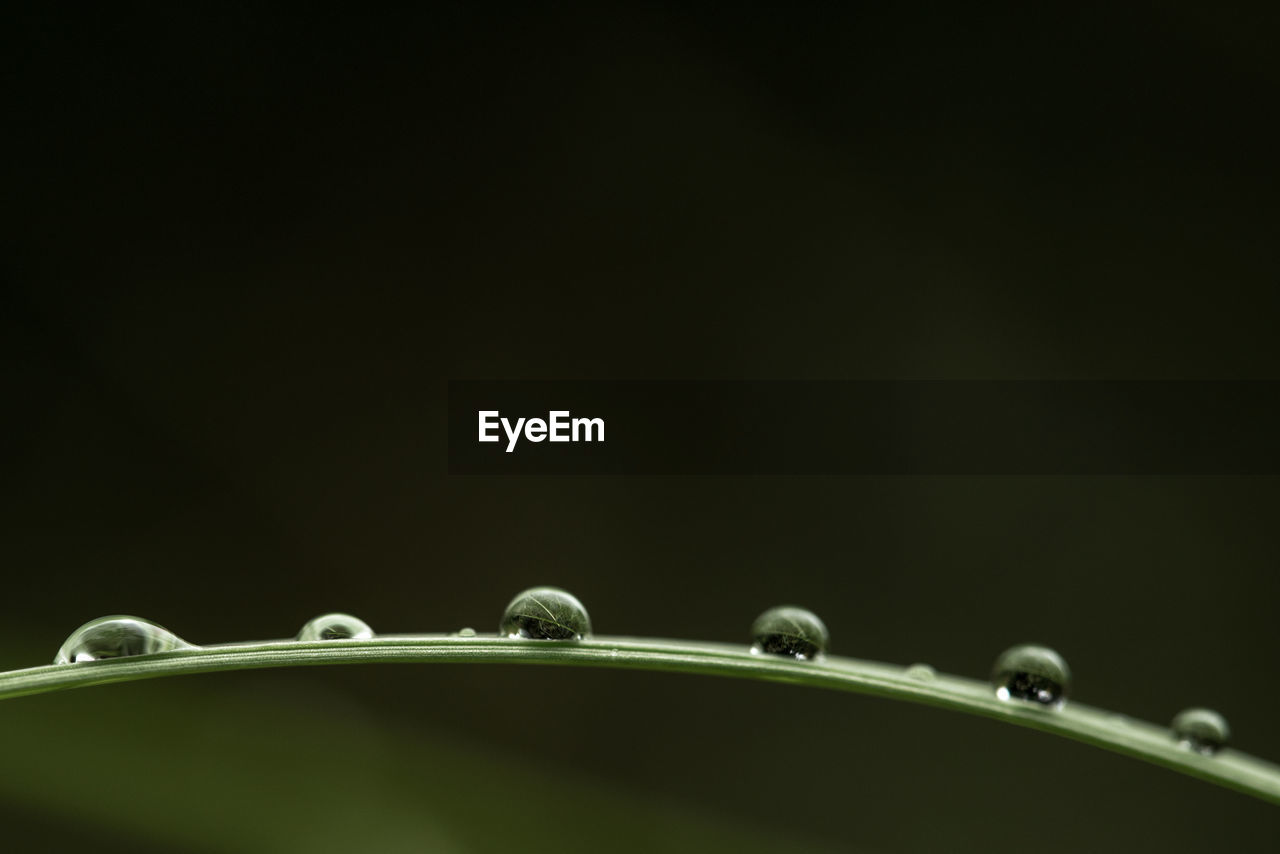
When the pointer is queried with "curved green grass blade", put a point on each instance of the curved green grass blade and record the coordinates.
(1152, 743)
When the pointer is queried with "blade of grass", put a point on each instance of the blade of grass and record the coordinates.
(1149, 742)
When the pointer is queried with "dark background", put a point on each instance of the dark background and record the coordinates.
(247, 249)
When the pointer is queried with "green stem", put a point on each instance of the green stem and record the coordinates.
(1149, 742)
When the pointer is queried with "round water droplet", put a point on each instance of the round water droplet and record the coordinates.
(1032, 673)
(1202, 730)
(789, 631)
(467, 632)
(923, 672)
(545, 613)
(117, 637)
(335, 627)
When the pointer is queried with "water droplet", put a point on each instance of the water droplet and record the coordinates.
(1033, 673)
(335, 627)
(117, 636)
(1202, 730)
(468, 632)
(790, 631)
(545, 613)
(923, 672)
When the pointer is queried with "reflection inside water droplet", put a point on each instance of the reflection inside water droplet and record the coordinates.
(335, 627)
(1031, 673)
(467, 632)
(789, 631)
(117, 636)
(545, 613)
(1202, 730)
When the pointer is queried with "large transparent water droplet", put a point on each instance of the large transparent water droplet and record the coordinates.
(1032, 673)
(1202, 730)
(545, 613)
(117, 636)
(335, 627)
(790, 631)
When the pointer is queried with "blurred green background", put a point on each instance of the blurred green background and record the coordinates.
(246, 249)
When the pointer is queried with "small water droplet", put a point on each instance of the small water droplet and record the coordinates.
(117, 636)
(545, 613)
(923, 672)
(335, 627)
(1032, 673)
(468, 632)
(1202, 730)
(789, 631)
